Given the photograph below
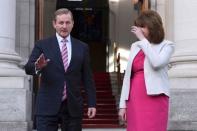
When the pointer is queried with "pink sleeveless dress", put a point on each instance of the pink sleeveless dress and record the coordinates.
(144, 112)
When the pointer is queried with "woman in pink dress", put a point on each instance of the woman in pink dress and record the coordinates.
(144, 98)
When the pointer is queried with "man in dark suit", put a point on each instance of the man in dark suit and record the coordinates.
(59, 98)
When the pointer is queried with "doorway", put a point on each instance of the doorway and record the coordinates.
(91, 26)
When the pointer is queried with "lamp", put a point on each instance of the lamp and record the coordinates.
(113, 0)
(135, 1)
(75, 0)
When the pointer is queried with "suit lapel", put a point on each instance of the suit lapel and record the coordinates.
(55, 50)
(134, 50)
(57, 53)
(73, 51)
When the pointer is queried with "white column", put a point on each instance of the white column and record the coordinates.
(15, 97)
(182, 29)
(8, 57)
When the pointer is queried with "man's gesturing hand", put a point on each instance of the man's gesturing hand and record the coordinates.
(91, 112)
(41, 62)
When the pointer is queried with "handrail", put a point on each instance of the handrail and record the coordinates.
(118, 73)
(115, 50)
(117, 66)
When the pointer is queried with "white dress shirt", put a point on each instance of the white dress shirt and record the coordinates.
(68, 44)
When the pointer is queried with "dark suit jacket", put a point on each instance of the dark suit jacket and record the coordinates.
(49, 95)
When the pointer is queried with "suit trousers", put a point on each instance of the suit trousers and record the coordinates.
(62, 120)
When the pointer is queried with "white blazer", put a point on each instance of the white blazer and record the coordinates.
(157, 57)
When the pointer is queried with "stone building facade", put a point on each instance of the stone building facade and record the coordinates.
(17, 37)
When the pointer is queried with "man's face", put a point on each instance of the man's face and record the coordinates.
(63, 24)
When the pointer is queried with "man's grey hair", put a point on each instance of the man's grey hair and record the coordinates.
(62, 11)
